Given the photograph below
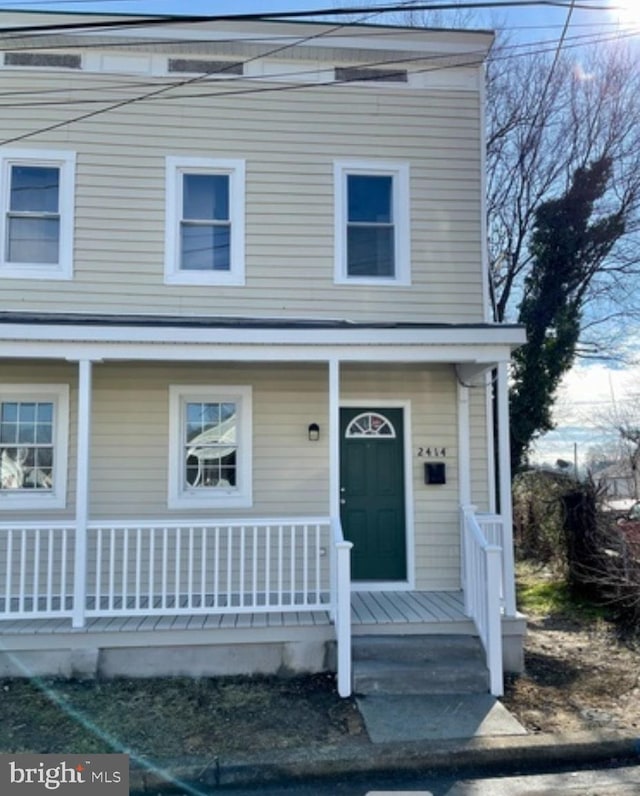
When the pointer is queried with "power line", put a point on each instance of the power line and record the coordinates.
(161, 91)
(163, 19)
(505, 54)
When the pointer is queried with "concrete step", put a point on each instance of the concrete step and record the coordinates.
(419, 665)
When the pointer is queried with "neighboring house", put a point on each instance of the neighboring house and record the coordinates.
(245, 323)
(618, 483)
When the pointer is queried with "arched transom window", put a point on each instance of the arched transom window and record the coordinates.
(370, 424)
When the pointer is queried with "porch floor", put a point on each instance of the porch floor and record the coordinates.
(371, 611)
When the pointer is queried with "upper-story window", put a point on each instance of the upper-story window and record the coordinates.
(37, 194)
(372, 223)
(34, 427)
(204, 221)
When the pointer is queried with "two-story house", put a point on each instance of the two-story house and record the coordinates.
(247, 367)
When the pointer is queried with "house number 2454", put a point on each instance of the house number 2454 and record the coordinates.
(429, 453)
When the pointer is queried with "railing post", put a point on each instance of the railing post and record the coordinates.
(343, 616)
(82, 493)
(494, 622)
(466, 556)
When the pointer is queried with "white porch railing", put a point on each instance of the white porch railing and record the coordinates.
(482, 584)
(492, 526)
(36, 570)
(234, 566)
(158, 568)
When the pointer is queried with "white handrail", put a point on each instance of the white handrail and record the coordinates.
(482, 577)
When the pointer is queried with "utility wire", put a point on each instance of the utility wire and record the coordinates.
(475, 60)
(152, 19)
(160, 92)
(163, 89)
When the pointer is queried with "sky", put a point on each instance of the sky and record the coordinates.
(589, 391)
(531, 22)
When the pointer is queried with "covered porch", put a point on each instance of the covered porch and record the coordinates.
(232, 582)
(211, 571)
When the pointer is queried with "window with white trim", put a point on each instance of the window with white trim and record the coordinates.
(37, 196)
(210, 446)
(204, 240)
(34, 428)
(372, 236)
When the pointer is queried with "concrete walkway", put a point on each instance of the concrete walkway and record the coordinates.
(435, 717)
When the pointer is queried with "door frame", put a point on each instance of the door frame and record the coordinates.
(386, 403)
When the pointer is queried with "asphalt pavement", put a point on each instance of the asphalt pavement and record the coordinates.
(508, 755)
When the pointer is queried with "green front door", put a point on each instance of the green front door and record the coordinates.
(372, 493)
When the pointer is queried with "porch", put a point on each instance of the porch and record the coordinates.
(278, 592)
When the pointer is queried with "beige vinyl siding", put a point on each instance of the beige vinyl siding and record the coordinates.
(131, 443)
(129, 456)
(289, 140)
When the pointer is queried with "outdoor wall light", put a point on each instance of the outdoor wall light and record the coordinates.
(314, 432)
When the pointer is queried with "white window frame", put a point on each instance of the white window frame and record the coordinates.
(401, 220)
(66, 163)
(176, 167)
(56, 498)
(239, 496)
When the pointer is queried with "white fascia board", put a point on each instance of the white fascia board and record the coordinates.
(298, 337)
(149, 352)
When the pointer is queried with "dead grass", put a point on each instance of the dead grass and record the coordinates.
(173, 717)
(580, 673)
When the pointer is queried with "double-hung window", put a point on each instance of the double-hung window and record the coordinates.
(372, 223)
(210, 446)
(33, 446)
(204, 221)
(37, 194)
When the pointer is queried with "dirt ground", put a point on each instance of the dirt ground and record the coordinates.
(579, 676)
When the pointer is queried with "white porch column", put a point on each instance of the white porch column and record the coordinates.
(464, 445)
(82, 491)
(334, 438)
(464, 478)
(506, 504)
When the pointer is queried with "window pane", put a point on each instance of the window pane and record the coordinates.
(210, 450)
(370, 251)
(44, 433)
(11, 472)
(205, 197)
(33, 240)
(26, 468)
(210, 466)
(9, 412)
(34, 189)
(8, 432)
(27, 413)
(44, 413)
(369, 198)
(206, 248)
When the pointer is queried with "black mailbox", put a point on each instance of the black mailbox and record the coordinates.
(435, 473)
